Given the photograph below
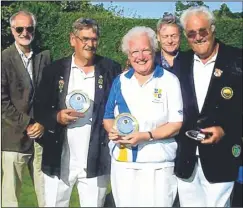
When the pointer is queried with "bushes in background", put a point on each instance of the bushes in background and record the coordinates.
(54, 26)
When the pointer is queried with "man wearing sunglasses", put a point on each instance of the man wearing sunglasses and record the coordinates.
(21, 73)
(75, 150)
(211, 83)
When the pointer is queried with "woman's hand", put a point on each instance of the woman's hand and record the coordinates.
(135, 138)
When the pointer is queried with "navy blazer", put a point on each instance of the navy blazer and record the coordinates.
(176, 63)
(50, 99)
(219, 161)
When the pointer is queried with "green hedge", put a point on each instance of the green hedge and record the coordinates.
(54, 27)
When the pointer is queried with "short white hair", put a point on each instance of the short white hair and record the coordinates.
(196, 11)
(26, 13)
(136, 32)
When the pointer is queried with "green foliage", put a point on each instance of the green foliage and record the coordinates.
(54, 26)
(181, 6)
(28, 197)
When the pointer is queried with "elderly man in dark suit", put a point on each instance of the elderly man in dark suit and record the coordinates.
(21, 73)
(209, 143)
(75, 147)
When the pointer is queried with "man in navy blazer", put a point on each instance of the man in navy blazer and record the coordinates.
(211, 84)
(75, 147)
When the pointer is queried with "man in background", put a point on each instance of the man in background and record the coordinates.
(169, 36)
(21, 73)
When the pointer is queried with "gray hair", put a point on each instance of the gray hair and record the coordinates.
(195, 11)
(138, 31)
(168, 19)
(83, 23)
(12, 18)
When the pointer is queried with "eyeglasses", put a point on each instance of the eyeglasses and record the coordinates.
(86, 39)
(203, 32)
(29, 29)
(145, 52)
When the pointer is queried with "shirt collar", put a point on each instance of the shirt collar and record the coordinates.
(74, 66)
(158, 72)
(21, 52)
(164, 62)
(213, 59)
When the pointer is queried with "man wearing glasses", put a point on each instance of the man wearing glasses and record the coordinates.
(21, 72)
(75, 150)
(169, 36)
(211, 83)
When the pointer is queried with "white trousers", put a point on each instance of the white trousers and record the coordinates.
(198, 192)
(92, 191)
(13, 164)
(148, 187)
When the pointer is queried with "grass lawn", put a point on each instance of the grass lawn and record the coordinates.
(28, 197)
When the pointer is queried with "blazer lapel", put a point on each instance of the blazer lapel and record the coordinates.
(100, 79)
(216, 77)
(36, 68)
(62, 82)
(19, 65)
(194, 95)
(190, 90)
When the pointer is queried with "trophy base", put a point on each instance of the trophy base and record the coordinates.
(196, 135)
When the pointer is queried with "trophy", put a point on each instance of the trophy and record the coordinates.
(78, 100)
(126, 124)
(196, 133)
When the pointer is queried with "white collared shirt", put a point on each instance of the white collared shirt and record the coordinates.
(202, 75)
(27, 61)
(75, 149)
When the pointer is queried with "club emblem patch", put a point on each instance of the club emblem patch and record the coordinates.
(227, 93)
(236, 150)
(157, 93)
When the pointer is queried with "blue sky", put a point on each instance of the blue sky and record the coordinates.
(157, 9)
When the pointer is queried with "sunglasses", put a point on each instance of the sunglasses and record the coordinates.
(203, 32)
(29, 29)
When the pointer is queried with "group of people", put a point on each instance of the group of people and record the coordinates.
(168, 91)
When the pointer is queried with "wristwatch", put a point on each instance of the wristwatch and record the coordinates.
(151, 138)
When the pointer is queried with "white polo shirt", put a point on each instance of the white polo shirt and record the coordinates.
(202, 75)
(75, 148)
(156, 102)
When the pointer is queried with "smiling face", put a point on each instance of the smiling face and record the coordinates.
(23, 38)
(200, 36)
(85, 43)
(169, 38)
(141, 55)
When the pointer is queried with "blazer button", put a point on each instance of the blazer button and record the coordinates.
(56, 141)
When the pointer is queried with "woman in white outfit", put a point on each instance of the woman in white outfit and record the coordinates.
(142, 169)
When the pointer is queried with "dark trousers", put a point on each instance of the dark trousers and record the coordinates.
(237, 195)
